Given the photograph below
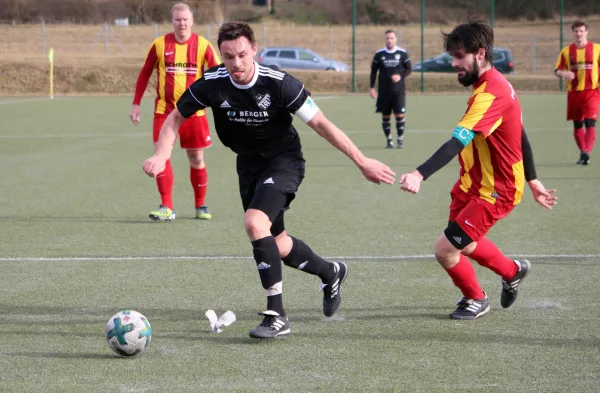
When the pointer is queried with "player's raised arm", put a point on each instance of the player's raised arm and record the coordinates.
(372, 170)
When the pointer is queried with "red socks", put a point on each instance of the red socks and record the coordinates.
(463, 276)
(199, 179)
(487, 255)
(579, 135)
(590, 138)
(164, 181)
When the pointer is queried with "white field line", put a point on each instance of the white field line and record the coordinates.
(238, 257)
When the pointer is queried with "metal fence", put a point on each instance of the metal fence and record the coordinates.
(535, 46)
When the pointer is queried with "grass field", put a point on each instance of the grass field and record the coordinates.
(77, 246)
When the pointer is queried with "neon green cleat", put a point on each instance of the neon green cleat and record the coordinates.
(162, 214)
(202, 213)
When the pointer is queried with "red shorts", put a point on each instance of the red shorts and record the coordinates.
(583, 105)
(474, 215)
(194, 132)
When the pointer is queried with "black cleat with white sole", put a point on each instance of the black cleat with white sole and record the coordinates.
(272, 326)
(469, 309)
(332, 291)
(510, 288)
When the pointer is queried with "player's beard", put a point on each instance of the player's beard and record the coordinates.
(470, 77)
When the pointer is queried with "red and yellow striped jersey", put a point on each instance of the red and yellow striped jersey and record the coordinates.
(178, 65)
(584, 63)
(492, 163)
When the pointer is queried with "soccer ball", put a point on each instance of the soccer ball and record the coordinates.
(128, 333)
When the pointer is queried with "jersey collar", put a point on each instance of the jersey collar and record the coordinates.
(392, 50)
(252, 82)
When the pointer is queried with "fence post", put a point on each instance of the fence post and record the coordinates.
(264, 36)
(533, 52)
(208, 32)
(43, 37)
(330, 44)
(155, 30)
(106, 38)
(422, 44)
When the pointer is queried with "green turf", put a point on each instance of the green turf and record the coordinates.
(72, 187)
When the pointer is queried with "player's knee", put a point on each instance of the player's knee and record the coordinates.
(589, 123)
(386, 119)
(578, 124)
(400, 116)
(196, 158)
(257, 224)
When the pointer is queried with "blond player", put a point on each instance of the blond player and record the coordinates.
(179, 59)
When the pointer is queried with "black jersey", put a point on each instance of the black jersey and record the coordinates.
(390, 62)
(253, 120)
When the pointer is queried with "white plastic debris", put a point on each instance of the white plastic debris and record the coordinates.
(217, 324)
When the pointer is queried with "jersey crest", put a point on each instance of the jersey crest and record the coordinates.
(263, 100)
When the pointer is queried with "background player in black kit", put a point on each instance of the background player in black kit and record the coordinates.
(394, 66)
(252, 107)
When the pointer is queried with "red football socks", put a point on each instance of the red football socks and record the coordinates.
(164, 181)
(590, 138)
(579, 135)
(199, 179)
(487, 255)
(463, 276)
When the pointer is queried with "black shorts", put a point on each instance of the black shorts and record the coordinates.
(386, 103)
(272, 185)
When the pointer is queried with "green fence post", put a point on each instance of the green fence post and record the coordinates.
(353, 88)
(422, 44)
(562, 11)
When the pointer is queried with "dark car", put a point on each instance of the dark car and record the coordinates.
(501, 58)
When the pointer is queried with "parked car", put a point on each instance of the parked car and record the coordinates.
(299, 58)
(501, 58)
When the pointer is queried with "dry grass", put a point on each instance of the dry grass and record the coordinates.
(31, 78)
(79, 52)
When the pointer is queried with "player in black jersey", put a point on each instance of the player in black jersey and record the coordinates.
(252, 106)
(394, 66)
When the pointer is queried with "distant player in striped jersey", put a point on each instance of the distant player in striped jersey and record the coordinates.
(179, 59)
(579, 65)
(496, 159)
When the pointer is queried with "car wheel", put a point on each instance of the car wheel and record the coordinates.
(329, 69)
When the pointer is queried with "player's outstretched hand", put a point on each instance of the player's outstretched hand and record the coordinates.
(411, 182)
(377, 172)
(544, 197)
(154, 166)
(134, 115)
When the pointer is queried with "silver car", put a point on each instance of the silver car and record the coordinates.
(298, 58)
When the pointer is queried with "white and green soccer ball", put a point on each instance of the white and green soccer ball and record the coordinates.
(128, 333)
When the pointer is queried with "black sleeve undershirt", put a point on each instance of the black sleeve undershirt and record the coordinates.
(528, 162)
(441, 157)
